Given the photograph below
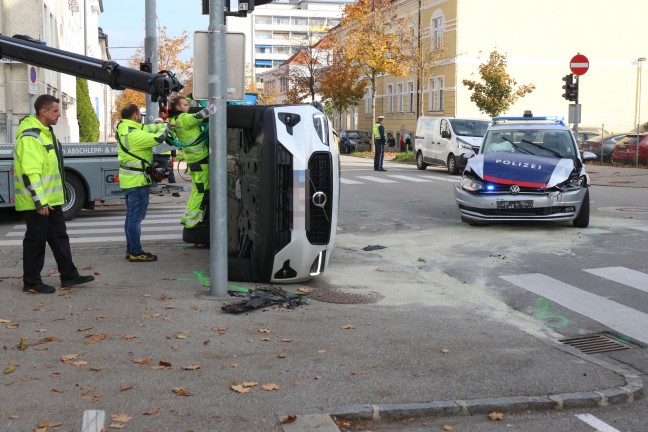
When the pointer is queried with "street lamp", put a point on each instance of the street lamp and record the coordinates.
(640, 61)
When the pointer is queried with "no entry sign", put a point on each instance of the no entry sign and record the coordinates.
(579, 64)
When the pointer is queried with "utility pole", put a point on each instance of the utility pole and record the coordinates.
(150, 52)
(217, 149)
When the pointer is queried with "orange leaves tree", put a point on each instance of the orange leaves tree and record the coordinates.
(375, 40)
(341, 84)
(169, 52)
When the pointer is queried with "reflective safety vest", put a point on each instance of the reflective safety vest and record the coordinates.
(38, 166)
(376, 131)
(135, 151)
(187, 129)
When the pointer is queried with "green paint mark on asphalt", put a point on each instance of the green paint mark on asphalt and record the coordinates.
(205, 281)
(556, 322)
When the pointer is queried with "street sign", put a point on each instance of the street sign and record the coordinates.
(579, 64)
(33, 77)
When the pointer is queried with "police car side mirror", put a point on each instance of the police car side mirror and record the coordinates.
(446, 134)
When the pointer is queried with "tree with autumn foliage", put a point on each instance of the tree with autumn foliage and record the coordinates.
(424, 60)
(341, 85)
(169, 52)
(498, 91)
(266, 95)
(375, 40)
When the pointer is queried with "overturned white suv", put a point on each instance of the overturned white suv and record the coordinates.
(528, 169)
(283, 191)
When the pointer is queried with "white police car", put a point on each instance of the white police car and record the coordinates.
(528, 169)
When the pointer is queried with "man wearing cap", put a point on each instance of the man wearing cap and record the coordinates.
(379, 144)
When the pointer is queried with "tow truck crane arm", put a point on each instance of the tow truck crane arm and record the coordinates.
(28, 50)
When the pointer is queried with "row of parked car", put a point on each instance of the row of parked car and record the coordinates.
(617, 147)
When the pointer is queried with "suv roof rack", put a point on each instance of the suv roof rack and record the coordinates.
(555, 119)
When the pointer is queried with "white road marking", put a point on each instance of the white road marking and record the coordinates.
(377, 179)
(349, 181)
(104, 222)
(412, 179)
(118, 230)
(623, 319)
(640, 228)
(453, 180)
(93, 420)
(622, 275)
(112, 239)
(596, 423)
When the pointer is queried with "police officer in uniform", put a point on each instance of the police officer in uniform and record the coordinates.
(135, 154)
(40, 193)
(379, 144)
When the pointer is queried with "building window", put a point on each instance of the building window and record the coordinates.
(300, 35)
(263, 35)
(435, 87)
(279, 20)
(277, 63)
(281, 35)
(390, 98)
(263, 49)
(300, 21)
(314, 21)
(367, 100)
(410, 93)
(281, 49)
(400, 95)
(436, 30)
(263, 64)
(260, 19)
(283, 85)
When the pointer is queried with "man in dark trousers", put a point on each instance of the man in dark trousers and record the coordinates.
(379, 144)
(40, 193)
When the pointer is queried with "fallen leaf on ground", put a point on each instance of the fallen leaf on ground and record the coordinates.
(55, 390)
(4, 321)
(152, 411)
(68, 357)
(11, 367)
(270, 387)
(117, 426)
(304, 290)
(126, 387)
(97, 336)
(181, 336)
(288, 419)
(265, 339)
(41, 330)
(142, 361)
(82, 329)
(193, 366)
(286, 340)
(14, 417)
(348, 327)
(263, 330)
(220, 330)
(126, 337)
(22, 345)
(447, 428)
(281, 356)
(321, 351)
(165, 364)
(28, 378)
(358, 373)
(240, 388)
(496, 416)
(78, 363)
(234, 365)
(96, 368)
(445, 350)
(121, 417)
(180, 391)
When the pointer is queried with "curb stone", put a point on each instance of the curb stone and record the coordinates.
(633, 390)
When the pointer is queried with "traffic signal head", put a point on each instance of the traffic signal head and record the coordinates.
(238, 8)
(570, 87)
(146, 66)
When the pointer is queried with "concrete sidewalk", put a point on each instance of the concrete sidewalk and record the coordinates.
(609, 175)
(143, 348)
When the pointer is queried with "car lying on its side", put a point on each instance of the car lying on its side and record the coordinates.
(528, 169)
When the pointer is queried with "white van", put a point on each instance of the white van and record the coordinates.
(447, 141)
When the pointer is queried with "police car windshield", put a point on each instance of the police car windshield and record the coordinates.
(475, 128)
(540, 142)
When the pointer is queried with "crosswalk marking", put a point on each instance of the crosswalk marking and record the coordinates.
(640, 228)
(622, 275)
(377, 179)
(616, 316)
(446, 179)
(159, 225)
(348, 181)
(412, 179)
(599, 425)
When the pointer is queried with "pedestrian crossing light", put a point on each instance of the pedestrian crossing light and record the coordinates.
(570, 88)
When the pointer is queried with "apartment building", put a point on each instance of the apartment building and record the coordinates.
(538, 38)
(278, 30)
(71, 25)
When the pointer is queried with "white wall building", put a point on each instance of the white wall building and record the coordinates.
(70, 25)
(276, 31)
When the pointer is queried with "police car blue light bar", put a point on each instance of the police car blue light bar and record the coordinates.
(557, 119)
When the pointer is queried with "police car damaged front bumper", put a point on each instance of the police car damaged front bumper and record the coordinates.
(505, 188)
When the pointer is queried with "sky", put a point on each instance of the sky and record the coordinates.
(123, 22)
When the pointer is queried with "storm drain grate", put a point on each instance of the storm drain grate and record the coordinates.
(599, 343)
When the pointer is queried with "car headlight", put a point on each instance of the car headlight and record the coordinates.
(463, 145)
(471, 184)
(573, 183)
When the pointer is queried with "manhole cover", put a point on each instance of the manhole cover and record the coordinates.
(337, 296)
(599, 343)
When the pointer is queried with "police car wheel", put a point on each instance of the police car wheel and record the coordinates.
(582, 220)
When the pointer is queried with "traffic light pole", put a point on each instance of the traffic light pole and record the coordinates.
(577, 116)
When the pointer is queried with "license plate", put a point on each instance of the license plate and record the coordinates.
(515, 204)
